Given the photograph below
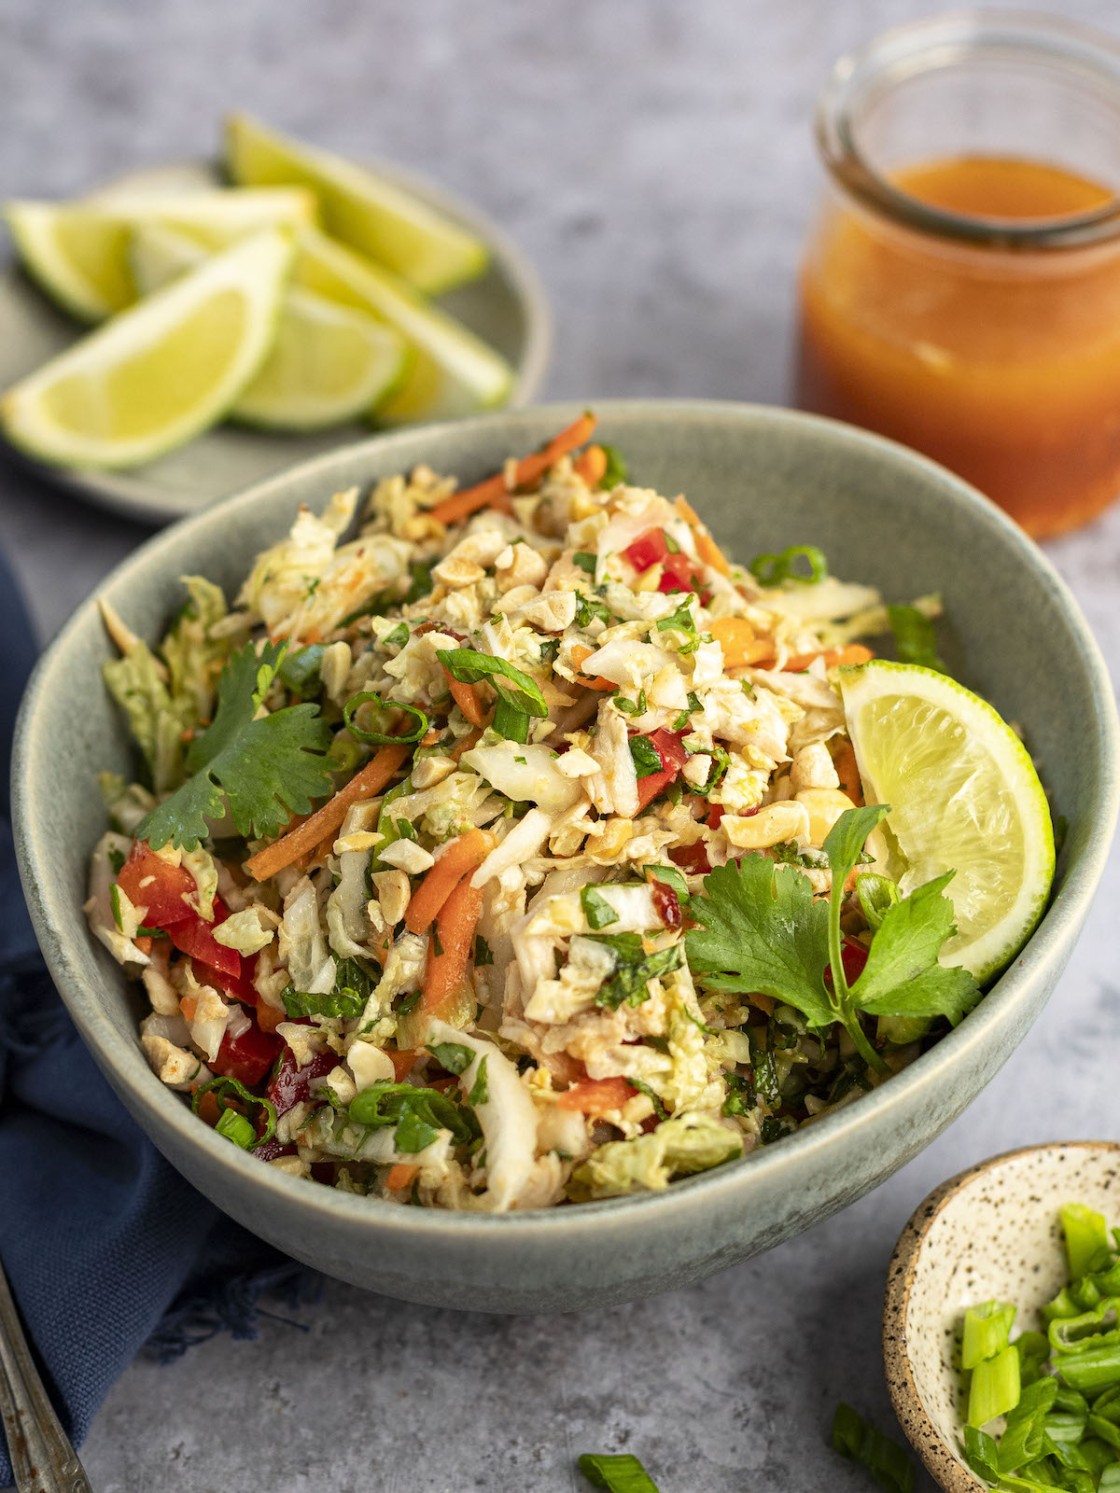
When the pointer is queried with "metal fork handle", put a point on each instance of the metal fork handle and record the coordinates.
(42, 1458)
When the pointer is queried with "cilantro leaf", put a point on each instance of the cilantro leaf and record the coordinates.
(762, 934)
(266, 770)
(902, 976)
(634, 968)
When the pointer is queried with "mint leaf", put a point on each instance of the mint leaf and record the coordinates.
(267, 769)
(762, 934)
(902, 976)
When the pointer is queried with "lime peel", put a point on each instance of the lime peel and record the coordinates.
(964, 796)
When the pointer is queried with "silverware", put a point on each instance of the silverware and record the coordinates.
(42, 1458)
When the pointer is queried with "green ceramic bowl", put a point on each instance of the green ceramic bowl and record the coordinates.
(765, 479)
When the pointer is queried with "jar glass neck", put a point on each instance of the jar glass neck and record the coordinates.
(996, 84)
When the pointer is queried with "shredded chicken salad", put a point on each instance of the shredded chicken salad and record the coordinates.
(512, 852)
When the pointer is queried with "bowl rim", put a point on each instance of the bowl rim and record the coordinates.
(1044, 952)
(941, 1460)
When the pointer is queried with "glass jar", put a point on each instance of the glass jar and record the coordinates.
(961, 289)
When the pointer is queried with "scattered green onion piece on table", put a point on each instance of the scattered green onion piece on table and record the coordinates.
(383, 738)
(617, 1474)
(859, 1442)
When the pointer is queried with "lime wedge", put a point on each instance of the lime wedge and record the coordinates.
(327, 364)
(159, 373)
(964, 795)
(363, 210)
(452, 372)
(78, 251)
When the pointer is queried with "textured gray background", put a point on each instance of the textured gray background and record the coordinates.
(655, 160)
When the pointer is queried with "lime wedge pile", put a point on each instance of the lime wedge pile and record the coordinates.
(323, 327)
(964, 795)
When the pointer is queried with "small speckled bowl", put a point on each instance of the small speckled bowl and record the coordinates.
(990, 1233)
(764, 479)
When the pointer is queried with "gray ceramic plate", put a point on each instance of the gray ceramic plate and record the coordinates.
(506, 307)
(765, 479)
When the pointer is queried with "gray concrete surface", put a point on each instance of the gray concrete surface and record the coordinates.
(655, 160)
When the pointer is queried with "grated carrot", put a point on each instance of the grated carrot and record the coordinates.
(847, 770)
(854, 653)
(581, 652)
(450, 949)
(401, 1176)
(597, 1096)
(740, 645)
(706, 547)
(325, 821)
(462, 855)
(468, 699)
(592, 465)
(494, 493)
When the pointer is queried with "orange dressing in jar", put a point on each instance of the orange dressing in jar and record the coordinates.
(968, 304)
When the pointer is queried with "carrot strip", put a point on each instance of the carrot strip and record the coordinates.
(450, 950)
(209, 1110)
(847, 770)
(402, 1061)
(706, 547)
(471, 739)
(467, 698)
(592, 465)
(462, 855)
(739, 642)
(596, 1096)
(325, 821)
(580, 652)
(854, 653)
(494, 493)
(400, 1176)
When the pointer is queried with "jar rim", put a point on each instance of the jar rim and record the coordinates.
(936, 43)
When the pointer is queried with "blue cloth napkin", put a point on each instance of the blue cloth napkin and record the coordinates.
(105, 1246)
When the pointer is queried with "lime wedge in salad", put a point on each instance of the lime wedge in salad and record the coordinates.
(159, 373)
(363, 210)
(964, 795)
(327, 364)
(452, 372)
(79, 252)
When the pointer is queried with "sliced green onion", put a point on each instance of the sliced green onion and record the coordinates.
(469, 666)
(1024, 1437)
(987, 1329)
(915, 640)
(221, 1087)
(859, 1442)
(1086, 1236)
(981, 1453)
(383, 738)
(1093, 1370)
(510, 722)
(773, 570)
(236, 1128)
(994, 1389)
(618, 1474)
(616, 468)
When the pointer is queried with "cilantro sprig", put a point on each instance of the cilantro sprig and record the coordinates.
(762, 931)
(265, 770)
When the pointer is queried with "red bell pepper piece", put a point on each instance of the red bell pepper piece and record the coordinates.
(853, 956)
(248, 1057)
(194, 937)
(650, 548)
(678, 570)
(150, 882)
(673, 754)
(666, 903)
(239, 986)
